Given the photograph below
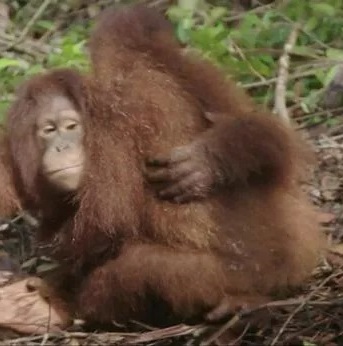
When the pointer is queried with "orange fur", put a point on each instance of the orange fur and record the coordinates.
(131, 254)
(9, 200)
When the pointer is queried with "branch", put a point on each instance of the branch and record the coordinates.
(36, 50)
(29, 25)
(280, 107)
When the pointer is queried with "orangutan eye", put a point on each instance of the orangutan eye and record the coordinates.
(71, 126)
(49, 129)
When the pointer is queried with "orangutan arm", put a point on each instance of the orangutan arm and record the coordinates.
(251, 149)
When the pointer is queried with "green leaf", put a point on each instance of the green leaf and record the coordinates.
(260, 67)
(46, 267)
(305, 51)
(332, 122)
(250, 20)
(182, 33)
(329, 76)
(335, 54)
(45, 24)
(183, 30)
(311, 24)
(32, 262)
(307, 343)
(5, 62)
(190, 5)
(34, 69)
(217, 13)
(78, 48)
(304, 107)
(323, 9)
(176, 13)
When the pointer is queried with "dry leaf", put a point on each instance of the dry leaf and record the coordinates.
(337, 249)
(27, 312)
(326, 217)
(5, 277)
(329, 186)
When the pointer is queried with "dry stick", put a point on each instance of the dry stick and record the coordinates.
(257, 10)
(326, 141)
(293, 76)
(241, 336)
(45, 339)
(331, 114)
(29, 25)
(307, 33)
(320, 113)
(247, 312)
(304, 330)
(242, 56)
(280, 107)
(157, 3)
(181, 329)
(28, 46)
(300, 307)
(165, 333)
(298, 302)
(72, 335)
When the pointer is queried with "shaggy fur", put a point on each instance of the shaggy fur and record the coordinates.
(129, 254)
(9, 200)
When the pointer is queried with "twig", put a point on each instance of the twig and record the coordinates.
(298, 302)
(29, 47)
(330, 114)
(241, 336)
(29, 25)
(330, 142)
(257, 10)
(174, 331)
(243, 57)
(301, 306)
(280, 107)
(314, 64)
(337, 137)
(45, 339)
(274, 80)
(160, 4)
(302, 29)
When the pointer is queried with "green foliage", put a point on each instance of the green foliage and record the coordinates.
(249, 45)
(69, 52)
(307, 343)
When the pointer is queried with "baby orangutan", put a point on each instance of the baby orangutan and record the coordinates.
(129, 251)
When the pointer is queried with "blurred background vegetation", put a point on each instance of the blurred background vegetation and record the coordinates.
(245, 37)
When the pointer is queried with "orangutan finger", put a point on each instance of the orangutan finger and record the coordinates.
(222, 310)
(178, 188)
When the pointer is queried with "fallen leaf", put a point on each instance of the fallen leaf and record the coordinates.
(337, 249)
(5, 277)
(27, 312)
(329, 186)
(326, 217)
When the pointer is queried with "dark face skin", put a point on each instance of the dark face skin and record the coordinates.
(60, 135)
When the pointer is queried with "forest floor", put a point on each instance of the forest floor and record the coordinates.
(314, 317)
